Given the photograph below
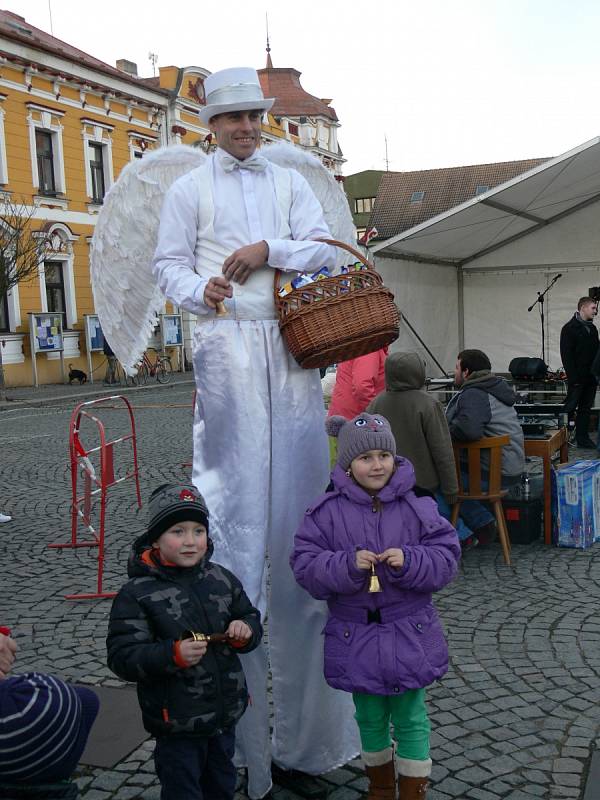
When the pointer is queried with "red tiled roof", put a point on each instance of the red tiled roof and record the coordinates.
(15, 27)
(291, 100)
(444, 188)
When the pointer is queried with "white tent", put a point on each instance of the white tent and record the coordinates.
(466, 278)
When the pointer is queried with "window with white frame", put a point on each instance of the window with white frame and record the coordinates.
(139, 143)
(4, 320)
(10, 311)
(3, 161)
(46, 146)
(45, 162)
(97, 153)
(56, 276)
(54, 280)
(364, 205)
(97, 171)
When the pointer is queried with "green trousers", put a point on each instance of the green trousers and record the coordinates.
(407, 714)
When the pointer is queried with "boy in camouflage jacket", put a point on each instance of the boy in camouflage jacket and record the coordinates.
(191, 689)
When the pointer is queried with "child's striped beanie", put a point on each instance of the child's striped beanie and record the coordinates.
(44, 726)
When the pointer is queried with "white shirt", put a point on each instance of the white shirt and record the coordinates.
(246, 211)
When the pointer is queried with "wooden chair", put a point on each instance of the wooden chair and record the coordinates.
(494, 492)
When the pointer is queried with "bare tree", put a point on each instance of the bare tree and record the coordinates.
(22, 249)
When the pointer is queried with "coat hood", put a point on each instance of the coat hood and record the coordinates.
(401, 482)
(404, 371)
(492, 384)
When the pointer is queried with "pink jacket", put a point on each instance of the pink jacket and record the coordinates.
(357, 382)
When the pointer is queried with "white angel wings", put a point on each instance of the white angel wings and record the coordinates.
(126, 297)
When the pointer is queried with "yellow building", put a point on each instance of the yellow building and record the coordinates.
(69, 123)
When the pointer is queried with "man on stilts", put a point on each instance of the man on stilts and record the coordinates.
(260, 451)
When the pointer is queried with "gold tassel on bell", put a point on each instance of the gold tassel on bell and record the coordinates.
(374, 585)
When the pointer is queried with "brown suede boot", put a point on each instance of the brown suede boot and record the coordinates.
(412, 788)
(381, 774)
(413, 778)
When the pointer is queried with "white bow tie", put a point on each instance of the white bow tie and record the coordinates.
(254, 162)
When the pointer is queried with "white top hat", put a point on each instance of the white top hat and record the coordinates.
(233, 89)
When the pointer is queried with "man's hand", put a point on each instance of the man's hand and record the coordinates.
(393, 556)
(239, 631)
(8, 648)
(241, 263)
(216, 290)
(364, 559)
(192, 652)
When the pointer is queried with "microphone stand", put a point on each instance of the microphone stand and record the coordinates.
(540, 300)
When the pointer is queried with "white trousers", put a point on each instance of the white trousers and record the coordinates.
(260, 458)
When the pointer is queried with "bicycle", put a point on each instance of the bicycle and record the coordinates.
(160, 368)
(119, 377)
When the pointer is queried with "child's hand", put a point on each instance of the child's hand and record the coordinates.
(364, 559)
(192, 651)
(239, 631)
(393, 556)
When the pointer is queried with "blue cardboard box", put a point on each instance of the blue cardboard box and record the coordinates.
(576, 504)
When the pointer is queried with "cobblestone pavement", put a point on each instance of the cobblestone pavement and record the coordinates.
(516, 717)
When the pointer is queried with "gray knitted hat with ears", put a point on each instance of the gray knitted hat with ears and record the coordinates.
(356, 436)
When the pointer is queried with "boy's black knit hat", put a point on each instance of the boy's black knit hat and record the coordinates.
(172, 503)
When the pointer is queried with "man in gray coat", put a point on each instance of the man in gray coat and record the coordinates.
(484, 406)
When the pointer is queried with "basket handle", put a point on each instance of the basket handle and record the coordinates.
(356, 253)
(335, 243)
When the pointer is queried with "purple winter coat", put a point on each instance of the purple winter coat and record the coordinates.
(378, 643)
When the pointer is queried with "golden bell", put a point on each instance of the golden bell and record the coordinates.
(374, 585)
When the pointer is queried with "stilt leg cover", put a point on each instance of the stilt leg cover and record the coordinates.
(380, 771)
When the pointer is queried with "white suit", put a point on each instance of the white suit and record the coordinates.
(260, 450)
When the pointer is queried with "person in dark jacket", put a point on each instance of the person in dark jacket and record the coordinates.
(418, 423)
(110, 376)
(420, 429)
(175, 629)
(578, 349)
(484, 406)
(376, 552)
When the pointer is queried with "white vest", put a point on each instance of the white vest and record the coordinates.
(254, 299)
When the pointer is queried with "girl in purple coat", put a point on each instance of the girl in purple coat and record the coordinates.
(375, 552)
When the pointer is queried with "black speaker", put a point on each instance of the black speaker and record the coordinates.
(532, 369)
(594, 293)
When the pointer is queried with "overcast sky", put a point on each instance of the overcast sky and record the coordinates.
(448, 83)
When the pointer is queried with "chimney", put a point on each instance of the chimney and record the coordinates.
(129, 67)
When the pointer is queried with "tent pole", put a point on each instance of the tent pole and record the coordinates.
(422, 343)
(460, 307)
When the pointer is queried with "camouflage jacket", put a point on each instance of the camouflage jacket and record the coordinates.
(150, 613)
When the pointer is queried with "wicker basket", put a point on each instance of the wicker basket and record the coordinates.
(338, 318)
